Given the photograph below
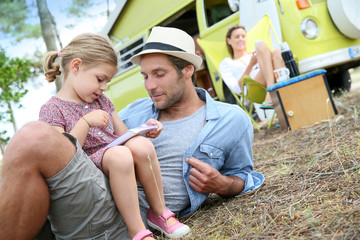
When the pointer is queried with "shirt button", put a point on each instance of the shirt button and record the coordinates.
(99, 133)
(211, 154)
(86, 107)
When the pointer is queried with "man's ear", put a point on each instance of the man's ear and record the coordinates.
(75, 65)
(188, 71)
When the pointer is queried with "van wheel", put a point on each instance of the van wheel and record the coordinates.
(344, 15)
(339, 82)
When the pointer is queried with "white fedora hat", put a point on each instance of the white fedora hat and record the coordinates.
(170, 41)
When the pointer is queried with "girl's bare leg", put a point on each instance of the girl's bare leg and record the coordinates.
(118, 165)
(148, 173)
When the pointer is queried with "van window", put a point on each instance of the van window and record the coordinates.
(216, 10)
(127, 52)
(185, 20)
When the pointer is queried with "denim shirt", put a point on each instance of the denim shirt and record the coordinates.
(225, 142)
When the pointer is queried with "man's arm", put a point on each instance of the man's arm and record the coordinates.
(206, 179)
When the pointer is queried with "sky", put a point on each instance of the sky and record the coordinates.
(40, 94)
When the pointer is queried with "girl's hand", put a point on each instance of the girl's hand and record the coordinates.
(154, 133)
(98, 118)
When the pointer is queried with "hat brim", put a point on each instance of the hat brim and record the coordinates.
(192, 58)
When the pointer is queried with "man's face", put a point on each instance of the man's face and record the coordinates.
(165, 87)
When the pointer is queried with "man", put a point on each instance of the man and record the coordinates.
(45, 171)
(205, 146)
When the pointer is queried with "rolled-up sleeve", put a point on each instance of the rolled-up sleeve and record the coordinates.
(239, 162)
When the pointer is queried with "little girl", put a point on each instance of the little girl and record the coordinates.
(80, 108)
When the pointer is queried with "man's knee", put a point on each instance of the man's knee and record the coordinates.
(25, 141)
(31, 134)
(38, 145)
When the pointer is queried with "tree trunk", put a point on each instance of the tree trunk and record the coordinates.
(2, 149)
(12, 117)
(48, 31)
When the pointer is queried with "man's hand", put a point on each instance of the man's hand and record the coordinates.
(206, 179)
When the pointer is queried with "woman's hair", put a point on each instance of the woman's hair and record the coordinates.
(91, 48)
(228, 36)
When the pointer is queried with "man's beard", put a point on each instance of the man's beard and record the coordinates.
(174, 96)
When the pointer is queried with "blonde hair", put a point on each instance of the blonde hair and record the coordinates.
(91, 48)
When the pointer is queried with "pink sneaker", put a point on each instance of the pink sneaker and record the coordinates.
(142, 234)
(176, 230)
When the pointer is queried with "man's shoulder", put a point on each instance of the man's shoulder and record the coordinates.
(230, 109)
(140, 104)
(137, 112)
(232, 115)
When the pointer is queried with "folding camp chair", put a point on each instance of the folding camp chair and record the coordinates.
(216, 51)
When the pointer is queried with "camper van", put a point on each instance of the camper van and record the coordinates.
(321, 34)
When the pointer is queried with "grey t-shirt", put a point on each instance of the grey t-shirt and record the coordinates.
(170, 147)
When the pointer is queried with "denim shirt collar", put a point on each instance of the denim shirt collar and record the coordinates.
(211, 107)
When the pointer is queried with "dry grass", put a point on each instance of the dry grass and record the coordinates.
(311, 190)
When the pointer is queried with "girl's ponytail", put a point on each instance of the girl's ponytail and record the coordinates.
(51, 68)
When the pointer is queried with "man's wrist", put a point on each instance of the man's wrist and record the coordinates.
(231, 186)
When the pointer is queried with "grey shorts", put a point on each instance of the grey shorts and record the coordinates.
(81, 204)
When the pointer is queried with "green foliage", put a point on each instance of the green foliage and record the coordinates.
(78, 8)
(13, 12)
(14, 17)
(14, 72)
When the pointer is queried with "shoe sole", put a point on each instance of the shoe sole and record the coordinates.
(266, 107)
(177, 234)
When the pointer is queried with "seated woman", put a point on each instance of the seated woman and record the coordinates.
(259, 65)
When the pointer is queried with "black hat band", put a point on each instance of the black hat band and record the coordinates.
(161, 46)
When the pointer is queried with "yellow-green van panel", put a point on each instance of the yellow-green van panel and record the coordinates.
(126, 88)
(329, 38)
(141, 16)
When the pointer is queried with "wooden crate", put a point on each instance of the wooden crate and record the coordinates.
(303, 103)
